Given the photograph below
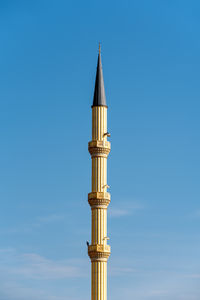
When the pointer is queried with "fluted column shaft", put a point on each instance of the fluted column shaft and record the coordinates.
(99, 199)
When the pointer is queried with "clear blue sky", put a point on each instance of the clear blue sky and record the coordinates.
(151, 63)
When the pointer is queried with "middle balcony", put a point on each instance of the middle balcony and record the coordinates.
(99, 148)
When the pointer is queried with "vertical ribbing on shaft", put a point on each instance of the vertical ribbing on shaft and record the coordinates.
(99, 123)
(99, 280)
(99, 211)
(99, 174)
(99, 230)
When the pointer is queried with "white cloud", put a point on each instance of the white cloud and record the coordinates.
(195, 276)
(13, 291)
(121, 271)
(37, 267)
(127, 209)
(117, 212)
(34, 266)
(34, 277)
(37, 222)
(165, 286)
(196, 214)
(50, 218)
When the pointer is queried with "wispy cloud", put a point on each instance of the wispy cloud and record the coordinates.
(50, 218)
(34, 266)
(117, 212)
(169, 286)
(127, 209)
(196, 214)
(16, 291)
(195, 276)
(121, 271)
(37, 267)
(17, 270)
(37, 222)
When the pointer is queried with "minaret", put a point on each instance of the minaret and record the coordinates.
(99, 198)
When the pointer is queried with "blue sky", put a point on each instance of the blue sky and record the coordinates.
(151, 63)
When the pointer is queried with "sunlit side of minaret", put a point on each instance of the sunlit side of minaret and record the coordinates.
(99, 198)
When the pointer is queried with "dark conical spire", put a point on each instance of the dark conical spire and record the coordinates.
(99, 91)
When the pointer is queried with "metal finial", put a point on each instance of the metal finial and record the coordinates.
(99, 48)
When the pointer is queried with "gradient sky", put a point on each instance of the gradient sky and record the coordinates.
(151, 64)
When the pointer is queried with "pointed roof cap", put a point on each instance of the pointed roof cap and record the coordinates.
(99, 91)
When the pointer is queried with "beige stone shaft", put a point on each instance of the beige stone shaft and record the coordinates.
(99, 200)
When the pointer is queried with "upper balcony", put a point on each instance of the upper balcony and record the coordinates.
(99, 148)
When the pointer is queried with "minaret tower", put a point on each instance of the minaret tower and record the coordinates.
(99, 198)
